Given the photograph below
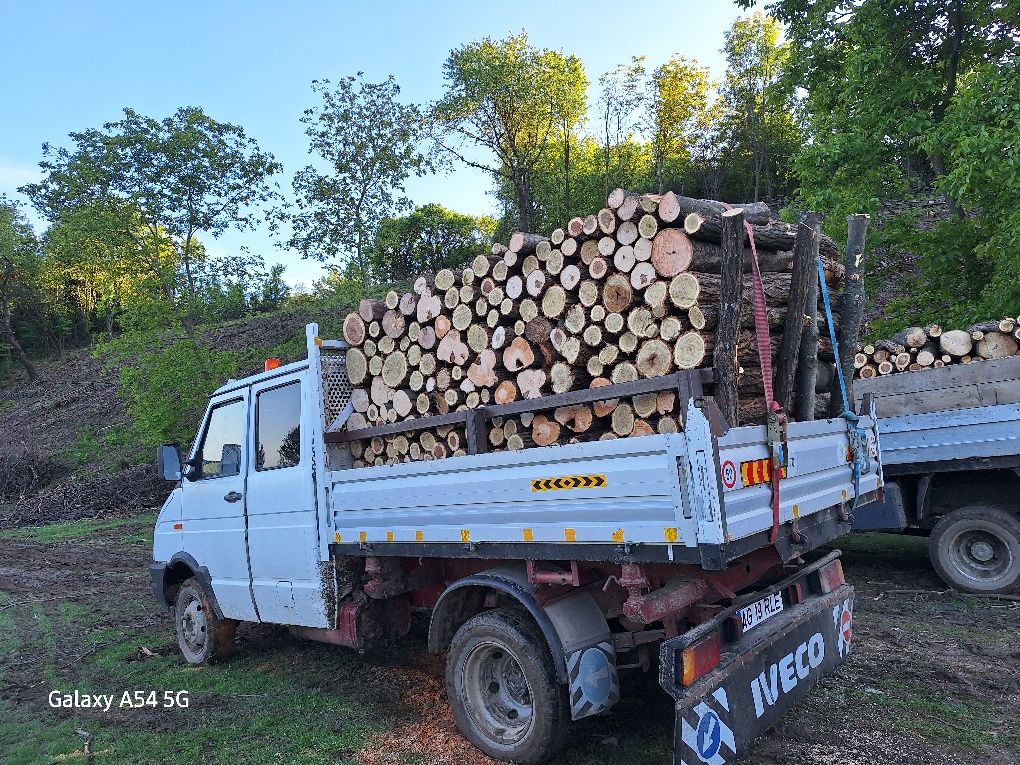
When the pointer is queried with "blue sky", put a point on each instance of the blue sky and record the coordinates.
(73, 65)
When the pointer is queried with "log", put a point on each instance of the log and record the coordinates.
(955, 342)
(530, 382)
(544, 431)
(371, 309)
(684, 290)
(673, 207)
(577, 418)
(354, 329)
(671, 252)
(689, 350)
(774, 236)
(804, 388)
(523, 243)
(605, 407)
(730, 304)
(654, 359)
(357, 366)
(996, 345)
(911, 337)
(852, 309)
(393, 323)
(518, 355)
(804, 275)
(554, 302)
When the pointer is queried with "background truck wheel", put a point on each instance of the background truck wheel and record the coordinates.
(977, 549)
(202, 637)
(503, 689)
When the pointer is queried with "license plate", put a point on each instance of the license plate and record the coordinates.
(755, 613)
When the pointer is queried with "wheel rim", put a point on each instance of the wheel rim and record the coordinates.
(193, 625)
(980, 555)
(498, 695)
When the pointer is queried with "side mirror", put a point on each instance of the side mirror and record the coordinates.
(168, 462)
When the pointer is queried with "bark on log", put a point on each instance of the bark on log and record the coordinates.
(804, 391)
(730, 304)
(804, 274)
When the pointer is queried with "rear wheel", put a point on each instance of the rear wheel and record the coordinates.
(202, 636)
(503, 689)
(977, 549)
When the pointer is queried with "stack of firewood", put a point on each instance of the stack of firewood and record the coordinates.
(917, 348)
(630, 292)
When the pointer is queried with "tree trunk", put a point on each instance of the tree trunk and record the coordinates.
(804, 392)
(33, 374)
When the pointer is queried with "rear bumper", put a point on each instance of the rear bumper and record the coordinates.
(761, 676)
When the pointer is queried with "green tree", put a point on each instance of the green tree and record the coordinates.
(370, 142)
(620, 100)
(903, 100)
(678, 116)
(761, 134)
(20, 262)
(508, 98)
(160, 183)
(426, 240)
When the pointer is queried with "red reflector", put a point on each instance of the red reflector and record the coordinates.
(700, 658)
(830, 576)
(273, 363)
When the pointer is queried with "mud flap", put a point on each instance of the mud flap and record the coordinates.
(762, 676)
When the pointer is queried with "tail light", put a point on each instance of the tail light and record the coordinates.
(700, 659)
(272, 363)
(830, 576)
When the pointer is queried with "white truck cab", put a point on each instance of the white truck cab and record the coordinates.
(243, 518)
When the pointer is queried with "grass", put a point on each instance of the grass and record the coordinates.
(122, 530)
(285, 701)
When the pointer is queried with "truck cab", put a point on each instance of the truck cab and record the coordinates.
(243, 518)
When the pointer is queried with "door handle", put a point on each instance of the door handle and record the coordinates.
(233, 496)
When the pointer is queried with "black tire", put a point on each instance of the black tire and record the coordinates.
(977, 549)
(202, 637)
(503, 690)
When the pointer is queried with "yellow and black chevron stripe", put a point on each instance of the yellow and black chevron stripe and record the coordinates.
(569, 482)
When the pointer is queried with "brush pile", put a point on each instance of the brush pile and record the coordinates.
(632, 291)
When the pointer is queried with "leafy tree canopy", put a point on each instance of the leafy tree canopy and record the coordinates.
(369, 140)
(426, 240)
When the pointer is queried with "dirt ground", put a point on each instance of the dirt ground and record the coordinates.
(934, 677)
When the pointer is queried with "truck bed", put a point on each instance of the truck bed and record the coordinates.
(678, 497)
(956, 417)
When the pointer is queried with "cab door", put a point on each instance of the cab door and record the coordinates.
(213, 504)
(283, 535)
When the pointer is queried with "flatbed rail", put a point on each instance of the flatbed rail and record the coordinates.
(688, 383)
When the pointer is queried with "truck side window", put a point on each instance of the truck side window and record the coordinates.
(220, 453)
(278, 427)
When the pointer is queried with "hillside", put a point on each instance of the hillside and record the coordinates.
(68, 450)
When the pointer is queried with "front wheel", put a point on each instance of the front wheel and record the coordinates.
(202, 636)
(503, 689)
(977, 549)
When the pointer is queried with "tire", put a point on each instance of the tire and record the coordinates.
(503, 690)
(202, 637)
(977, 549)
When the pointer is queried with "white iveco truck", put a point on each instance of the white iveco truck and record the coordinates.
(548, 571)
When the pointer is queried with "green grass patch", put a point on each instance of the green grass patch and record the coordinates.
(126, 530)
(925, 709)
